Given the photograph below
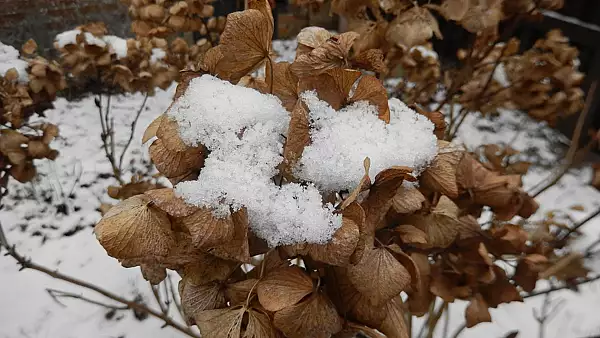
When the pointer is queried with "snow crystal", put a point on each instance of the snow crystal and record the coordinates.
(425, 52)
(157, 55)
(341, 141)
(118, 45)
(243, 129)
(500, 76)
(9, 58)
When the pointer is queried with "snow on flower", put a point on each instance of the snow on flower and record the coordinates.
(9, 58)
(341, 141)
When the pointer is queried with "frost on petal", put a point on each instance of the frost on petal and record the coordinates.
(244, 130)
(341, 141)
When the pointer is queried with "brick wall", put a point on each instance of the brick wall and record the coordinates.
(43, 19)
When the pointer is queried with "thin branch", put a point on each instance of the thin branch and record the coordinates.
(156, 294)
(56, 294)
(131, 132)
(28, 264)
(570, 158)
(568, 286)
(580, 224)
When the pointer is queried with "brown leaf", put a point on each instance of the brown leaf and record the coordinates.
(201, 268)
(29, 47)
(440, 176)
(168, 133)
(408, 200)
(221, 323)
(283, 288)
(237, 293)
(501, 290)
(436, 117)
(482, 15)
(394, 326)
(285, 83)
(153, 273)
(208, 231)
(314, 317)
(334, 53)
(379, 276)
(411, 235)
(371, 90)
(332, 87)
(420, 298)
(381, 195)
(409, 264)
(211, 60)
(341, 246)
(245, 43)
(238, 248)
(197, 298)
(413, 27)
(310, 38)
(454, 10)
(566, 267)
(477, 311)
(365, 183)
(371, 60)
(134, 228)
(298, 135)
(259, 326)
(173, 164)
(441, 226)
(166, 201)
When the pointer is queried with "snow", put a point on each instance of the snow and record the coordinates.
(425, 52)
(500, 75)
(118, 45)
(67, 38)
(341, 141)
(243, 130)
(158, 54)
(34, 226)
(9, 58)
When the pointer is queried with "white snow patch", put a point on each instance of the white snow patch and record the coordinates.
(341, 141)
(157, 55)
(9, 58)
(425, 52)
(67, 38)
(500, 75)
(118, 45)
(243, 130)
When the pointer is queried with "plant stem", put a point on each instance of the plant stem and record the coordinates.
(28, 264)
(56, 294)
(558, 288)
(131, 132)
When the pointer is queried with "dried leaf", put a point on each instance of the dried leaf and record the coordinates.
(454, 10)
(166, 201)
(314, 317)
(168, 133)
(298, 135)
(440, 176)
(441, 226)
(208, 231)
(338, 250)
(29, 47)
(334, 53)
(371, 60)
(153, 273)
(201, 268)
(413, 27)
(477, 311)
(394, 326)
(152, 128)
(244, 44)
(408, 200)
(237, 293)
(411, 235)
(285, 83)
(134, 228)
(310, 38)
(237, 248)
(197, 298)
(221, 323)
(259, 326)
(365, 183)
(283, 288)
(371, 89)
(332, 87)
(379, 276)
(173, 164)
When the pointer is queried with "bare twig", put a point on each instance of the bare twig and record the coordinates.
(56, 294)
(574, 147)
(548, 311)
(131, 132)
(156, 294)
(28, 264)
(580, 224)
(567, 286)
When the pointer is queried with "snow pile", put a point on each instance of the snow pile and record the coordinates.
(243, 130)
(500, 75)
(425, 52)
(116, 44)
(9, 58)
(157, 55)
(341, 141)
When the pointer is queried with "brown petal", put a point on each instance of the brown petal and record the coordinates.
(408, 200)
(172, 163)
(371, 60)
(411, 235)
(394, 326)
(371, 90)
(332, 87)
(203, 268)
(198, 298)
(441, 226)
(341, 246)
(310, 38)
(221, 323)
(283, 288)
(29, 47)
(245, 43)
(314, 317)
(413, 27)
(454, 10)
(153, 273)
(440, 176)
(208, 231)
(298, 135)
(334, 53)
(379, 276)
(477, 311)
(259, 326)
(237, 293)
(285, 83)
(168, 133)
(238, 248)
(166, 201)
(134, 228)
(364, 184)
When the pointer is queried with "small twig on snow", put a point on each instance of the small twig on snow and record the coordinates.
(57, 294)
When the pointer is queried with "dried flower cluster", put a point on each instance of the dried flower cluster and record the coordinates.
(112, 63)
(25, 89)
(247, 271)
(162, 18)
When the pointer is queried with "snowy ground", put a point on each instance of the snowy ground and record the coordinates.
(36, 222)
